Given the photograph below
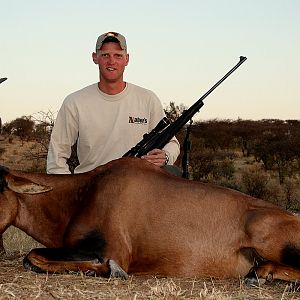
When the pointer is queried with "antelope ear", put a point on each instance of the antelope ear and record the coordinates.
(25, 186)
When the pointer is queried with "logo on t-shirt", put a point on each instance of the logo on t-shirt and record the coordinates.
(137, 120)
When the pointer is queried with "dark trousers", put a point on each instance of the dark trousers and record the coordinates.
(174, 170)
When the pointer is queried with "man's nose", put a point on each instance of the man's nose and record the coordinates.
(111, 60)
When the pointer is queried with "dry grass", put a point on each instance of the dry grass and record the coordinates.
(14, 153)
(17, 283)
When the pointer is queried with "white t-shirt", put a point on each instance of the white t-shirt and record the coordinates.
(106, 126)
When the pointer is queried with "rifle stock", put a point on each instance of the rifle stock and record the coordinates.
(164, 130)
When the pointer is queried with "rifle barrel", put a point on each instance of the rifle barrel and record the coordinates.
(159, 138)
(188, 114)
(2, 79)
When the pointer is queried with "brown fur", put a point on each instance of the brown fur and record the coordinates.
(153, 223)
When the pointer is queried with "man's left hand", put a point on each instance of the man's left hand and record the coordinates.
(156, 156)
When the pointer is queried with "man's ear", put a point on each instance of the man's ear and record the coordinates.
(95, 58)
(127, 59)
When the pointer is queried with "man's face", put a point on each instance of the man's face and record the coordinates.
(112, 61)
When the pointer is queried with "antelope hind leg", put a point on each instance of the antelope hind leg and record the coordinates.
(61, 260)
(269, 271)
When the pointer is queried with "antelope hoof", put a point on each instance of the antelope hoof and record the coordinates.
(252, 280)
(31, 267)
(116, 271)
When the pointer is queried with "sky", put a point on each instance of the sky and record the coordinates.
(178, 49)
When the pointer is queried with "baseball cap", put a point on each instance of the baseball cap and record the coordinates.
(113, 37)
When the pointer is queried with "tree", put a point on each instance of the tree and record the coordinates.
(216, 134)
(22, 127)
(174, 111)
(277, 150)
(44, 122)
(245, 133)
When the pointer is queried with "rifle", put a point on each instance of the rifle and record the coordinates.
(2, 79)
(164, 130)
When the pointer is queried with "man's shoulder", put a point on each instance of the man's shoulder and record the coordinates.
(80, 94)
(141, 90)
(87, 89)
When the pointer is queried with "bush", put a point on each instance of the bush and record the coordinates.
(202, 165)
(231, 184)
(255, 182)
(290, 197)
(2, 150)
(223, 169)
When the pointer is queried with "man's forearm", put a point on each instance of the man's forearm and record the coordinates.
(172, 148)
(56, 161)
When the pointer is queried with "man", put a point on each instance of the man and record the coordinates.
(107, 118)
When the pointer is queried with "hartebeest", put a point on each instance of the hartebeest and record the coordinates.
(129, 216)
